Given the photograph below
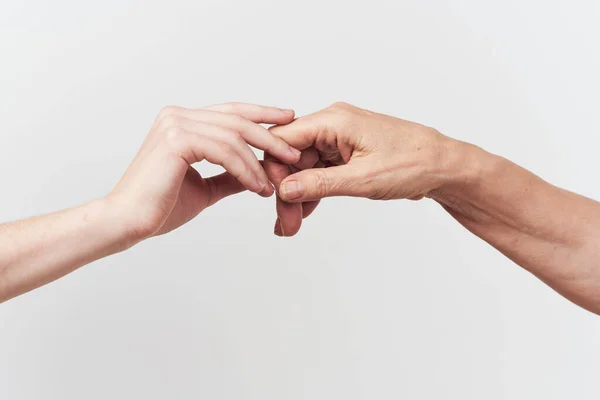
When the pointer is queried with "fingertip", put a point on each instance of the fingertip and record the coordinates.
(278, 116)
(254, 185)
(262, 180)
(278, 230)
(267, 191)
(285, 117)
(290, 155)
(289, 113)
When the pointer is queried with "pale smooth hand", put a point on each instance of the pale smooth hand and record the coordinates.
(161, 191)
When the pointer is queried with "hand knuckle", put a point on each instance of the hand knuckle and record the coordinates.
(168, 110)
(272, 146)
(340, 112)
(321, 182)
(169, 121)
(232, 107)
(228, 152)
(174, 137)
(237, 120)
(235, 136)
(173, 132)
(232, 138)
(341, 105)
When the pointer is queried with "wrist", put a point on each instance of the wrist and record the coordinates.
(464, 169)
(112, 224)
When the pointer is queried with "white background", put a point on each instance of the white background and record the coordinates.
(373, 300)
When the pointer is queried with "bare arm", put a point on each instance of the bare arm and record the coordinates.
(41, 249)
(159, 192)
(553, 233)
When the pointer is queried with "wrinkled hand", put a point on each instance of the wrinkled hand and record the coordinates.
(348, 151)
(161, 191)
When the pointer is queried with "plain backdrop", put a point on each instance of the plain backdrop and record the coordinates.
(372, 300)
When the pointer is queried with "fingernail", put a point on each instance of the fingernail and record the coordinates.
(291, 190)
(267, 191)
(287, 110)
(296, 153)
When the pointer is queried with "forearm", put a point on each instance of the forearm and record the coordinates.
(39, 250)
(553, 233)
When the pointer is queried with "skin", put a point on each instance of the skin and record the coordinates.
(159, 192)
(348, 151)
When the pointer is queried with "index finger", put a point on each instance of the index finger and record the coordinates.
(253, 133)
(255, 113)
(302, 132)
(289, 215)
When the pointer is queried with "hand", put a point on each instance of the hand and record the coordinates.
(160, 191)
(348, 151)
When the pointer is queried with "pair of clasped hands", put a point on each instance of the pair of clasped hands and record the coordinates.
(339, 151)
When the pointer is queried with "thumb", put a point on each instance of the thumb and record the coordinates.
(316, 183)
(221, 186)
